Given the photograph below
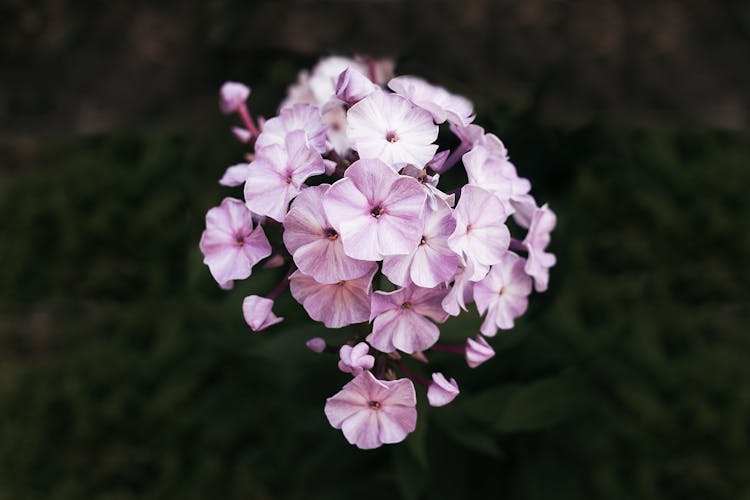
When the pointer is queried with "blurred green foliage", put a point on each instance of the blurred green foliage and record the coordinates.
(126, 373)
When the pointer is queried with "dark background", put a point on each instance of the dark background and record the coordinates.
(126, 373)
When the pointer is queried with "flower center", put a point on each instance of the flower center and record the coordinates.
(391, 137)
(468, 228)
(288, 179)
(331, 233)
(423, 241)
(406, 305)
(375, 405)
(340, 283)
(239, 240)
(501, 291)
(377, 211)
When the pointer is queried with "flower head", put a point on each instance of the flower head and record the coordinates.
(440, 103)
(539, 262)
(277, 174)
(400, 319)
(503, 294)
(375, 211)
(315, 245)
(481, 235)
(496, 174)
(352, 86)
(388, 127)
(336, 304)
(432, 262)
(304, 117)
(230, 244)
(373, 412)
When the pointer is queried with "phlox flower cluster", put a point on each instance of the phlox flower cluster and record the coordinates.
(349, 174)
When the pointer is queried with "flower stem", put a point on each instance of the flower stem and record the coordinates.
(454, 348)
(247, 120)
(283, 284)
(517, 245)
(412, 375)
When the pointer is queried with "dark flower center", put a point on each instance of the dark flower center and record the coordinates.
(423, 241)
(391, 137)
(341, 283)
(377, 211)
(406, 305)
(239, 240)
(331, 233)
(374, 404)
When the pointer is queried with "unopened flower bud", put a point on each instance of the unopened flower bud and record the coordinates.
(232, 95)
(257, 312)
(316, 344)
(478, 351)
(355, 359)
(352, 86)
(441, 391)
(242, 134)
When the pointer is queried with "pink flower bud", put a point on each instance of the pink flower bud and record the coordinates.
(242, 134)
(232, 95)
(478, 351)
(316, 344)
(352, 86)
(441, 391)
(257, 312)
(355, 359)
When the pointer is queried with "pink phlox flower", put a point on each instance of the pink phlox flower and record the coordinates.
(478, 351)
(355, 359)
(495, 174)
(235, 175)
(352, 86)
(316, 344)
(336, 304)
(474, 135)
(303, 117)
(258, 314)
(335, 119)
(539, 262)
(232, 95)
(230, 244)
(277, 174)
(523, 210)
(375, 211)
(430, 182)
(440, 103)
(325, 74)
(315, 245)
(481, 235)
(400, 319)
(378, 70)
(299, 92)
(503, 294)
(242, 134)
(390, 128)
(432, 262)
(462, 291)
(441, 391)
(372, 412)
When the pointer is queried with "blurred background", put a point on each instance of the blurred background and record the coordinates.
(126, 373)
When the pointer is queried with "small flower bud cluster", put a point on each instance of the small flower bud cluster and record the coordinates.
(349, 171)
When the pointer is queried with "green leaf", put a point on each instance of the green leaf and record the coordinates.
(471, 434)
(542, 404)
